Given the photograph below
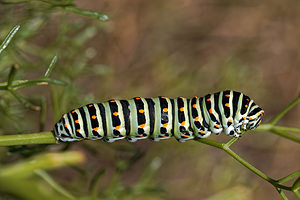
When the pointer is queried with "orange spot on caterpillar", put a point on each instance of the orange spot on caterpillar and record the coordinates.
(180, 97)
(227, 104)
(227, 95)
(73, 111)
(165, 109)
(208, 99)
(137, 98)
(96, 128)
(118, 127)
(195, 96)
(217, 126)
(210, 111)
(248, 99)
(185, 136)
(94, 117)
(141, 111)
(63, 116)
(230, 120)
(244, 117)
(76, 121)
(246, 106)
(66, 125)
(201, 131)
(78, 130)
(163, 136)
(181, 109)
(182, 123)
(163, 97)
(197, 118)
(142, 125)
(90, 105)
(165, 124)
(250, 118)
(194, 105)
(115, 113)
(112, 101)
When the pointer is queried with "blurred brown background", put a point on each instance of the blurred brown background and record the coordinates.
(187, 48)
(191, 47)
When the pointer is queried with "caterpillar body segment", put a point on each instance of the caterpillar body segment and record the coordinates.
(161, 118)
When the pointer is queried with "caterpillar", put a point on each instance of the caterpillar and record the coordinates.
(161, 118)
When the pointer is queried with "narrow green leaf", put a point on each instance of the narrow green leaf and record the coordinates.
(54, 185)
(9, 37)
(38, 81)
(12, 74)
(43, 162)
(56, 82)
(51, 66)
(24, 101)
(87, 13)
(95, 182)
(58, 3)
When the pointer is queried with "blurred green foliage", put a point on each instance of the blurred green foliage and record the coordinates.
(20, 59)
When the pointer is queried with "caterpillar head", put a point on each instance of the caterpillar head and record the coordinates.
(255, 117)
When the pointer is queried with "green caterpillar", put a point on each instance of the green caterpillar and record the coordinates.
(160, 118)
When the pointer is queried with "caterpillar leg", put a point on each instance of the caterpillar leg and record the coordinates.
(203, 134)
(231, 131)
(185, 134)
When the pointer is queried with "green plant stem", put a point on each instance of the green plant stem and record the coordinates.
(289, 177)
(279, 190)
(285, 110)
(286, 135)
(297, 193)
(33, 138)
(270, 127)
(242, 161)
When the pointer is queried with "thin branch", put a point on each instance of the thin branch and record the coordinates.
(286, 135)
(297, 193)
(289, 177)
(270, 127)
(285, 110)
(243, 162)
(279, 190)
